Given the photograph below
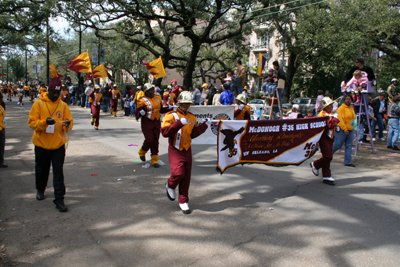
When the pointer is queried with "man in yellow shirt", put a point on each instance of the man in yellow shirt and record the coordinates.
(51, 119)
(26, 89)
(149, 108)
(2, 132)
(180, 127)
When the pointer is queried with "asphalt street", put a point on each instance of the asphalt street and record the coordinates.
(252, 215)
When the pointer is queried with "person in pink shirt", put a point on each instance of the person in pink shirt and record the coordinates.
(358, 80)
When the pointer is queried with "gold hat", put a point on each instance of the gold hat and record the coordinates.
(241, 98)
(326, 101)
(185, 97)
(205, 85)
(147, 87)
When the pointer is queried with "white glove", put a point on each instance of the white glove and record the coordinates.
(184, 121)
(170, 107)
(207, 121)
(336, 115)
(142, 112)
(98, 103)
(241, 107)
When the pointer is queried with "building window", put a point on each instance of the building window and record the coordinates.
(263, 41)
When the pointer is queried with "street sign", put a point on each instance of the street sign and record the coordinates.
(95, 55)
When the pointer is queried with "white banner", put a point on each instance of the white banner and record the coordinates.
(214, 113)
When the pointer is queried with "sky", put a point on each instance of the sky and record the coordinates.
(60, 25)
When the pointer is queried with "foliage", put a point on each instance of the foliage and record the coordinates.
(185, 33)
(332, 35)
(17, 70)
(22, 18)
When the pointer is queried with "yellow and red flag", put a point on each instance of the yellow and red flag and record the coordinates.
(81, 63)
(99, 72)
(156, 68)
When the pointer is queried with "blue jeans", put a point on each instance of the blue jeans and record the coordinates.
(264, 87)
(133, 108)
(271, 88)
(364, 127)
(393, 135)
(73, 100)
(340, 139)
(280, 92)
(239, 90)
(87, 102)
(379, 121)
(106, 105)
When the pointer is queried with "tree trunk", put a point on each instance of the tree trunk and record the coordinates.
(190, 66)
(202, 73)
(290, 72)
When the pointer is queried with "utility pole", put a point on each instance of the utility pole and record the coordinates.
(98, 59)
(26, 65)
(7, 64)
(80, 51)
(48, 51)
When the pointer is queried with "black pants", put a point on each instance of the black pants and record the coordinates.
(127, 111)
(2, 145)
(83, 100)
(43, 158)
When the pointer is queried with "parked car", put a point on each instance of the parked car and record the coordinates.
(256, 104)
(305, 103)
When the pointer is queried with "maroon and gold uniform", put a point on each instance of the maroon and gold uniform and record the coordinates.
(96, 99)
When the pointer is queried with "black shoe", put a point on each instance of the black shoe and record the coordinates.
(92, 122)
(389, 147)
(395, 148)
(350, 165)
(39, 195)
(60, 205)
(142, 158)
(329, 182)
(187, 211)
(156, 165)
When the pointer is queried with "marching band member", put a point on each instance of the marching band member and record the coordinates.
(243, 111)
(180, 127)
(42, 89)
(326, 143)
(64, 94)
(114, 96)
(149, 108)
(45, 118)
(95, 98)
(20, 93)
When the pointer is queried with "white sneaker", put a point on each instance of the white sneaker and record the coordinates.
(18, 103)
(185, 208)
(383, 139)
(360, 142)
(373, 139)
(313, 169)
(170, 192)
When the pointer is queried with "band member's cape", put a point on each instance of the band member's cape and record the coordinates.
(270, 142)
